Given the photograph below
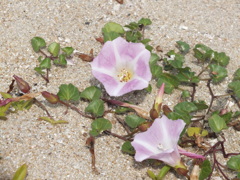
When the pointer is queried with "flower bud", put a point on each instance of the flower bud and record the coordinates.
(52, 98)
(156, 109)
(182, 171)
(223, 111)
(166, 110)
(22, 85)
(144, 127)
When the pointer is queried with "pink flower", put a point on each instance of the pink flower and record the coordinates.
(160, 142)
(122, 67)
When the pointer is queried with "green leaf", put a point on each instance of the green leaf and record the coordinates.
(95, 107)
(205, 170)
(227, 117)
(148, 47)
(149, 88)
(21, 105)
(110, 36)
(182, 110)
(128, 148)
(45, 64)
(113, 27)
(236, 75)
(133, 36)
(91, 93)
(145, 21)
(3, 109)
(201, 105)
(184, 116)
(170, 81)
(68, 92)
(217, 123)
(145, 41)
(218, 72)
(185, 107)
(221, 58)
(54, 49)
(151, 174)
(37, 43)
(39, 70)
(99, 125)
(183, 47)
(39, 58)
(203, 53)
(156, 71)
(122, 110)
(111, 31)
(68, 51)
(236, 114)
(186, 76)
(204, 132)
(5, 95)
(52, 121)
(61, 61)
(235, 86)
(234, 163)
(185, 94)
(176, 60)
(153, 59)
(132, 26)
(21, 173)
(134, 121)
(162, 173)
(238, 175)
(191, 131)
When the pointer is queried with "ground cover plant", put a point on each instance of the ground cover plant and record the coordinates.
(127, 62)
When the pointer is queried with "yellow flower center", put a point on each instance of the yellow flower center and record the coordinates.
(124, 75)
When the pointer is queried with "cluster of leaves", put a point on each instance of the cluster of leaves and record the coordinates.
(58, 55)
(135, 32)
(172, 73)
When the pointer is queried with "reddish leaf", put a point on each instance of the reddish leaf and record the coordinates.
(120, 1)
(100, 39)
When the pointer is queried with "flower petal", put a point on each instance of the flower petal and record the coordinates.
(108, 81)
(190, 154)
(142, 67)
(135, 84)
(106, 58)
(118, 56)
(159, 141)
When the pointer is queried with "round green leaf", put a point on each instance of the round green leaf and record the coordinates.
(68, 92)
(218, 72)
(96, 107)
(128, 148)
(91, 93)
(134, 121)
(45, 64)
(217, 123)
(235, 86)
(54, 49)
(234, 163)
(68, 50)
(38, 43)
(99, 125)
(205, 170)
(183, 47)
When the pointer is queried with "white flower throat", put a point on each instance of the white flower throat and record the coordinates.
(124, 75)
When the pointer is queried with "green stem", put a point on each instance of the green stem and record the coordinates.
(163, 172)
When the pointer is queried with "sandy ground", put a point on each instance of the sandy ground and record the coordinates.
(59, 152)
